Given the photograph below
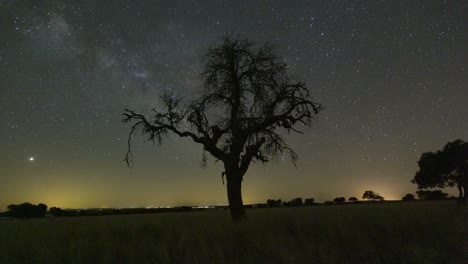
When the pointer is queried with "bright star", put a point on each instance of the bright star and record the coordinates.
(31, 158)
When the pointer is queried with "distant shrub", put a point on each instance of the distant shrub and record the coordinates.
(26, 210)
(274, 203)
(408, 197)
(339, 200)
(309, 201)
(294, 202)
(56, 211)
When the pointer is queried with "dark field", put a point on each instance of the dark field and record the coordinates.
(412, 232)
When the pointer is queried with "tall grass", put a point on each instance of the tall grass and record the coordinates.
(413, 232)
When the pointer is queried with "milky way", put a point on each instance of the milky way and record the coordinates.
(390, 74)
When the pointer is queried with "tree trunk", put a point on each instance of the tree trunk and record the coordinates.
(236, 206)
(462, 198)
(465, 196)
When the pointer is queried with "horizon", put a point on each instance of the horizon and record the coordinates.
(190, 204)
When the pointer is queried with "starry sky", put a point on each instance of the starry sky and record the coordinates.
(391, 75)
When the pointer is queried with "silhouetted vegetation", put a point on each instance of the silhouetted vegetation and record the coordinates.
(353, 199)
(253, 97)
(371, 195)
(123, 211)
(431, 195)
(26, 210)
(339, 200)
(445, 168)
(274, 203)
(56, 211)
(294, 202)
(408, 197)
(328, 203)
(309, 201)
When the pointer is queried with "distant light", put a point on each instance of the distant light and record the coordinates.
(31, 158)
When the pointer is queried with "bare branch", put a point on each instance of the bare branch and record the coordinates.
(248, 98)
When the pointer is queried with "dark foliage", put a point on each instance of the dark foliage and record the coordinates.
(328, 203)
(353, 199)
(445, 168)
(294, 202)
(309, 201)
(274, 203)
(56, 211)
(26, 210)
(371, 195)
(247, 104)
(339, 200)
(408, 197)
(432, 195)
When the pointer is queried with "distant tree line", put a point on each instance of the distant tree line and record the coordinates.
(58, 212)
(28, 210)
(368, 195)
(292, 203)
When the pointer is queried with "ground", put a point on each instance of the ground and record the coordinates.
(400, 232)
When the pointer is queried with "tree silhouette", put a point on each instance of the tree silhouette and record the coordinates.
(371, 195)
(445, 168)
(247, 101)
(294, 202)
(379, 198)
(309, 201)
(431, 195)
(339, 200)
(56, 211)
(408, 197)
(274, 203)
(26, 210)
(353, 199)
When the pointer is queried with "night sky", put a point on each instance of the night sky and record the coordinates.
(391, 75)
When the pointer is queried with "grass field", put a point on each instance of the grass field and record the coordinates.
(412, 232)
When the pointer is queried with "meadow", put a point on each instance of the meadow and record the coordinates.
(400, 232)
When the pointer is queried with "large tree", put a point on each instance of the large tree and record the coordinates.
(247, 104)
(445, 168)
(371, 195)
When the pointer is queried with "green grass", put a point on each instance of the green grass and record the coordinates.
(412, 232)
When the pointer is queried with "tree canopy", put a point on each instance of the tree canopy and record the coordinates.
(309, 201)
(371, 195)
(26, 210)
(444, 168)
(247, 104)
(408, 197)
(295, 202)
(339, 200)
(431, 195)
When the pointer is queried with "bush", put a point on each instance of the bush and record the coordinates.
(26, 210)
(408, 197)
